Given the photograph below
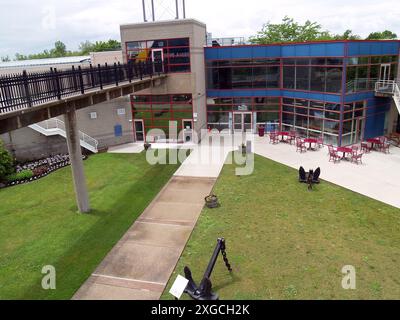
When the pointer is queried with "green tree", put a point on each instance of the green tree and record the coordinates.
(99, 46)
(60, 50)
(384, 35)
(290, 31)
(6, 162)
(347, 35)
(5, 59)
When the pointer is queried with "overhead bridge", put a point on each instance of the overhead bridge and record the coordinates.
(29, 99)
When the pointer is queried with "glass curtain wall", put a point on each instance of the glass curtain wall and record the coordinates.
(176, 52)
(157, 110)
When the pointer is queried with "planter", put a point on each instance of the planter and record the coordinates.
(261, 131)
(211, 201)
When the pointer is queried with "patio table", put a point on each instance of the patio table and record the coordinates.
(283, 134)
(374, 141)
(344, 150)
(310, 141)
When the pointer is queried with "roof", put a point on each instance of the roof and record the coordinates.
(43, 62)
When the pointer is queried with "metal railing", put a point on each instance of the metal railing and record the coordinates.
(361, 84)
(21, 91)
(57, 124)
(386, 86)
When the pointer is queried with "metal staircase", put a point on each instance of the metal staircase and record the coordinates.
(388, 88)
(54, 126)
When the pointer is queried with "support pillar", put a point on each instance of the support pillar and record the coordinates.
(75, 155)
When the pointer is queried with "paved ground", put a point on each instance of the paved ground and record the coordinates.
(378, 177)
(141, 263)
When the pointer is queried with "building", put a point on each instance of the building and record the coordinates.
(318, 89)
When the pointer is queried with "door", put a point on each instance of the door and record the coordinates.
(187, 125)
(359, 130)
(139, 130)
(384, 74)
(242, 121)
(157, 57)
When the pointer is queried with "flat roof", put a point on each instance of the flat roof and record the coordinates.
(162, 23)
(43, 62)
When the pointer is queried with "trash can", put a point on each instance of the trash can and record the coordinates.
(261, 130)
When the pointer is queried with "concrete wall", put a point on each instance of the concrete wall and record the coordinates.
(109, 57)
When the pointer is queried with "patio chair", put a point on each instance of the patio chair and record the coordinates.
(302, 175)
(273, 138)
(365, 147)
(316, 175)
(300, 145)
(330, 148)
(291, 137)
(384, 147)
(320, 142)
(357, 158)
(354, 148)
(333, 156)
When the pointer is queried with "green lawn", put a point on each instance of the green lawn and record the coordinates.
(285, 242)
(39, 224)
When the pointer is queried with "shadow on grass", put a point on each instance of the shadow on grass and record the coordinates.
(79, 262)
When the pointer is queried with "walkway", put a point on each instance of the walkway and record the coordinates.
(141, 263)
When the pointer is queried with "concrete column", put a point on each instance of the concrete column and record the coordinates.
(75, 155)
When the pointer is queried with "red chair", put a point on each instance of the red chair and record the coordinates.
(354, 148)
(300, 145)
(356, 157)
(384, 147)
(365, 147)
(333, 156)
(320, 142)
(273, 138)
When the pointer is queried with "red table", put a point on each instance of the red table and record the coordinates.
(344, 150)
(310, 141)
(283, 134)
(374, 141)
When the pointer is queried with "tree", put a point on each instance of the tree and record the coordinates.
(347, 35)
(384, 35)
(5, 59)
(6, 162)
(60, 50)
(290, 31)
(98, 46)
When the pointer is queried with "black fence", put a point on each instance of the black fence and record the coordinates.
(25, 90)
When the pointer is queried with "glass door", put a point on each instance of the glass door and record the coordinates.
(242, 121)
(187, 125)
(157, 57)
(139, 130)
(384, 74)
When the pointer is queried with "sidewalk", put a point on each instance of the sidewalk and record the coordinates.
(141, 263)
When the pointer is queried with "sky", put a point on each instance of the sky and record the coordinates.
(28, 26)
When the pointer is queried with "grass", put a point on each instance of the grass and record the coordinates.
(39, 224)
(285, 242)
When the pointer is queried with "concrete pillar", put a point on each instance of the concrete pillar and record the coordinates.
(75, 155)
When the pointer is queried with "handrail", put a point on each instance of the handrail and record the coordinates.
(22, 91)
(55, 123)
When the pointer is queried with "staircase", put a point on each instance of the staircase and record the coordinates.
(54, 126)
(385, 88)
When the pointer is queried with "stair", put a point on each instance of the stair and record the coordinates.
(54, 126)
(389, 88)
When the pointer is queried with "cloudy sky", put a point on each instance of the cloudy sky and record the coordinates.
(28, 26)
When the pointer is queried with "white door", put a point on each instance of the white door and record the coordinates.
(384, 74)
(157, 57)
(242, 122)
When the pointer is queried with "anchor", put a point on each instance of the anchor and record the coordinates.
(204, 291)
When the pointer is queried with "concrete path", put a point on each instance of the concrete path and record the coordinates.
(141, 263)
